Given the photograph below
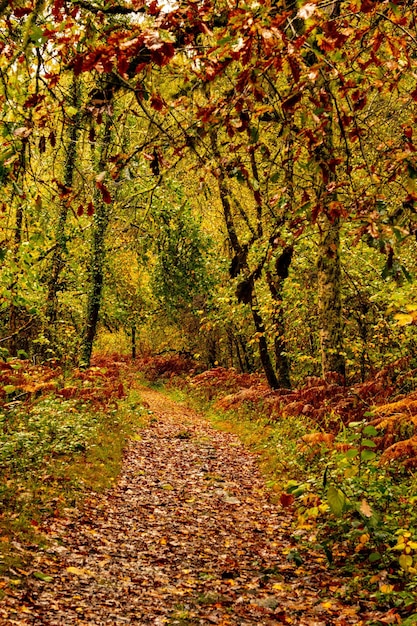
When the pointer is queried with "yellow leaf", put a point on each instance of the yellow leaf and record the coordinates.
(384, 588)
(278, 586)
(327, 605)
(79, 571)
(404, 319)
(405, 561)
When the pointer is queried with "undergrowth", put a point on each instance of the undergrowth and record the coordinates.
(56, 447)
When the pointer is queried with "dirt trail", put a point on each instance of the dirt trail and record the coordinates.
(186, 537)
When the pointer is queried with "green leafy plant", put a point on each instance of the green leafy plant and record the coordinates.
(361, 511)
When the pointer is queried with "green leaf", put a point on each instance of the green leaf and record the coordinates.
(336, 500)
(374, 557)
(370, 431)
(37, 36)
(9, 388)
(43, 577)
(369, 443)
(407, 274)
(71, 111)
(367, 455)
(350, 454)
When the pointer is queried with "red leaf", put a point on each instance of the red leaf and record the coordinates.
(157, 102)
(295, 68)
(90, 208)
(57, 8)
(368, 5)
(413, 94)
(153, 8)
(104, 192)
(163, 54)
(33, 100)
(21, 12)
(286, 499)
(80, 210)
(408, 132)
(290, 102)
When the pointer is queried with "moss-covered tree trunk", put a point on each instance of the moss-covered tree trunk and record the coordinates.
(328, 260)
(13, 343)
(98, 255)
(60, 250)
(329, 296)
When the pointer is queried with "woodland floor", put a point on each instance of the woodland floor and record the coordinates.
(187, 536)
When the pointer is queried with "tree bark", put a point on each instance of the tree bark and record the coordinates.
(13, 343)
(328, 263)
(238, 250)
(329, 297)
(58, 257)
(276, 286)
(98, 256)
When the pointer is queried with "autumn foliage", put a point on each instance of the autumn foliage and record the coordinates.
(327, 404)
(22, 381)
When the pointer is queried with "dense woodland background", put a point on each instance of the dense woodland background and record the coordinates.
(232, 181)
(225, 191)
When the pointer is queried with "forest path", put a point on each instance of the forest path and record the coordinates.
(188, 536)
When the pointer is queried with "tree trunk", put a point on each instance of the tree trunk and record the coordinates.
(98, 257)
(328, 263)
(13, 343)
(276, 285)
(14, 311)
(133, 342)
(329, 297)
(238, 250)
(263, 346)
(58, 257)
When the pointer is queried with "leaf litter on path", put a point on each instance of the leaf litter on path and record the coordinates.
(188, 536)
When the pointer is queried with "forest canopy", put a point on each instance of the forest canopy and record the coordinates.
(233, 181)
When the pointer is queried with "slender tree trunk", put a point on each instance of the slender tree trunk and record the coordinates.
(328, 264)
(14, 309)
(238, 250)
(276, 286)
(98, 257)
(275, 279)
(58, 257)
(133, 342)
(329, 296)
